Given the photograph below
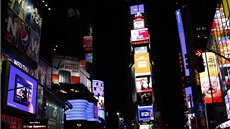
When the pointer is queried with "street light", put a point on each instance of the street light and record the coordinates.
(118, 116)
(78, 126)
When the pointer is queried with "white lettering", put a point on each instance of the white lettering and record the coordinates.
(12, 26)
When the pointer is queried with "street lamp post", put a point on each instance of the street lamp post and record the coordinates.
(78, 126)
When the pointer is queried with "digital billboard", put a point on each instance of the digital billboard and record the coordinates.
(21, 90)
(209, 79)
(134, 9)
(35, 123)
(138, 23)
(227, 103)
(88, 43)
(145, 113)
(142, 64)
(44, 73)
(139, 35)
(89, 57)
(141, 49)
(66, 70)
(148, 126)
(143, 84)
(22, 36)
(98, 88)
(182, 39)
(145, 98)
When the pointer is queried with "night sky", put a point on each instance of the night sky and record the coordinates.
(111, 30)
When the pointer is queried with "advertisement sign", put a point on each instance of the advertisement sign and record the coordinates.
(134, 9)
(85, 79)
(6, 56)
(22, 36)
(98, 88)
(28, 13)
(101, 102)
(148, 126)
(138, 23)
(142, 64)
(89, 57)
(35, 124)
(66, 70)
(101, 113)
(224, 44)
(143, 84)
(145, 113)
(182, 39)
(140, 34)
(44, 73)
(189, 98)
(23, 97)
(209, 79)
(141, 49)
(88, 43)
(227, 103)
(144, 98)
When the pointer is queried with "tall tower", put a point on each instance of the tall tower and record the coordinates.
(142, 93)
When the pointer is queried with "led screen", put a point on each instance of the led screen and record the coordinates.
(210, 76)
(89, 57)
(98, 88)
(145, 98)
(143, 84)
(227, 103)
(142, 49)
(189, 98)
(138, 23)
(142, 64)
(145, 113)
(182, 39)
(22, 91)
(101, 113)
(134, 9)
(149, 126)
(140, 34)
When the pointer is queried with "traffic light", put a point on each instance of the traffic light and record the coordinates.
(199, 61)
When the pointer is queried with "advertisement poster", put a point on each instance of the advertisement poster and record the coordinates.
(210, 83)
(140, 34)
(142, 64)
(25, 97)
(66, 70)
(22, 36)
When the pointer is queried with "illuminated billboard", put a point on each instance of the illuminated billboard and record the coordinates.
(139, 35)
(98, 88)
(88, 43)
(141, 49)
(22, 90)
(89, 57)
(182, 39)
(138, 23)
(134, 9)
(142, 64)
(145, 113)
(143, 84)
(66, 69)
(148, 126)
(209, 79)
(227, 103)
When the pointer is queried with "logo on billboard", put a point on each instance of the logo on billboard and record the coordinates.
(24, 37)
